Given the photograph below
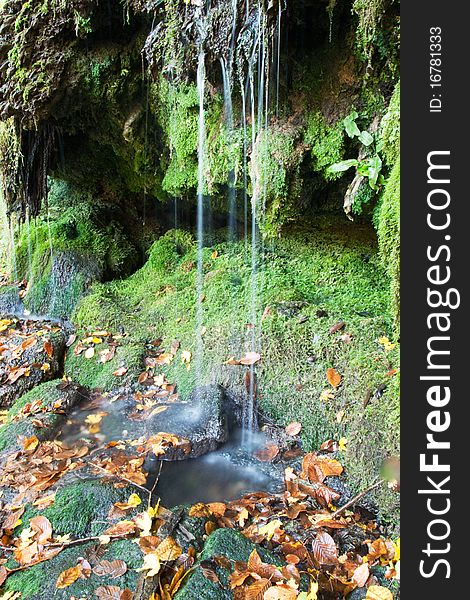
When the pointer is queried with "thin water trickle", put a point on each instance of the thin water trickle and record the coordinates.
(201, 76)
(228, 110)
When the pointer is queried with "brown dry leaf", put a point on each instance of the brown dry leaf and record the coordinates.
(44, 502)
(294, 429)
(107, 355)
(68, 577)
(48, 348)
(168, 550)
(3, 574)
(337, 327)
(29, 343)
(361, 575)
(280, 592)
(12, 519)
(377, 592)
(256, 590)
(121, 528)
(90, 352)
(334, 378)
(42, 526)
(210, 574)
(324, 549)
(109, 592)
(112, 568)
(250, 358)
(120, 372)
(268, 453)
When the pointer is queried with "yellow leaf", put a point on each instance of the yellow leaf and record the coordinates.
(134, 500)
(326, 395)
(151, 565)
(342, 444)
(144, 522)
(269, 529)
(377, 592)
(186, 356)
(311, 594)
(94, 419)
(30, 443)
(387, 344)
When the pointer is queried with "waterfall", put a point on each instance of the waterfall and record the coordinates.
(228, 110)
(201, 76)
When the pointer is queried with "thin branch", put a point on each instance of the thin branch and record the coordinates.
(356, 499)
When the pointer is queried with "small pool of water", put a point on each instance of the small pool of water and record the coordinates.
(211, 478)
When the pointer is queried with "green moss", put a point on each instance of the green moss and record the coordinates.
(326, 143)
(275, 176)
(388, 229)
(390, 129)
(39, 580)
(62, 252)
(232, 545)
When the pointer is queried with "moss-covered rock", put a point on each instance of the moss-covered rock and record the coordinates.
(38, 366)
(52, 402)
(227, 543)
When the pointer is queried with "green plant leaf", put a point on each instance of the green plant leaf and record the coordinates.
(375, 166)
(344, 165)
(365, 138)
(350, 125)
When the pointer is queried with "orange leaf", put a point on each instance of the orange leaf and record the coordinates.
(120, 372)
(324, 549)
(49, 348)
(334, 378)
(68, 577)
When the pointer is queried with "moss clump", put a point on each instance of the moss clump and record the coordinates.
(388, 229)
(47, 393)
(326, 142)
(390, 129)
(232, 545)
(39, 581)
(275, 176)
(177, 109)
(61, 253)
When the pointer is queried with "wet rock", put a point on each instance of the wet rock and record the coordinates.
(40, 367)
(10, 302)
(57, 292)
(202, 420)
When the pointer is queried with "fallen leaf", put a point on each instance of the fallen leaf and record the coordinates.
(337, 327)
(324, 549)
(66, 578)
(377, 592)
(42, 526)
(112, 568)
(294, 429)
(334, 378)
(48, 348)
(90, 352)
(268, 453)
(250, 358)
(361, 575)
(120, 372)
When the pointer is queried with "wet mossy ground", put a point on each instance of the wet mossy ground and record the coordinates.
(308, 281)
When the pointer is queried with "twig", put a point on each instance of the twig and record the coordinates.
(155, 484)
(354, 500)
(140, 487)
